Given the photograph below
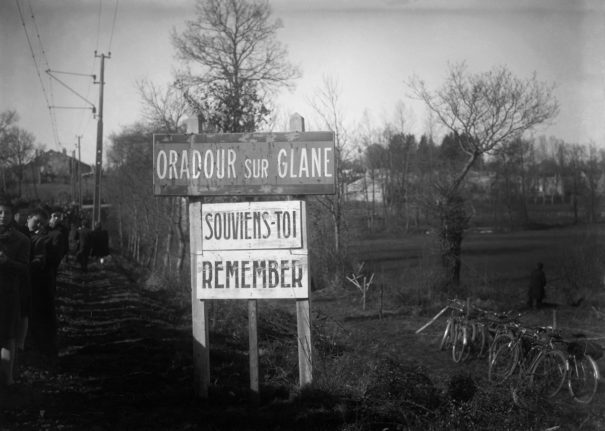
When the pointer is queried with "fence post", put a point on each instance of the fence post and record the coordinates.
(303, 308)
(199, 310)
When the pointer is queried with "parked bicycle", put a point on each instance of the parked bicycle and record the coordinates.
(532, 352)
(583, 371)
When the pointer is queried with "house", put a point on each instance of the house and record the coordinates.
(368, 188)
(53, 176)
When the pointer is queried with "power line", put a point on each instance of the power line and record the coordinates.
(31, 49)
(81, 125)
(50, 72)
(99, 24)
(113, 25)
(45, 58)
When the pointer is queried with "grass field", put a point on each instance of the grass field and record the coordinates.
(496, 268)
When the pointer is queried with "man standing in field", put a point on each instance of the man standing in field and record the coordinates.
(537, 282)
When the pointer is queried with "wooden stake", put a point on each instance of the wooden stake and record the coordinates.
(199, 315)
(253, 349)
(303, 307)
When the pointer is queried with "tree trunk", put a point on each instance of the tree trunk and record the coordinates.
(120, 227)
(454, 221)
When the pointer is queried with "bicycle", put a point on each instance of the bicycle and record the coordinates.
(583, 371)
(470, 336)
(542, 368)
(449, 334)
(533, 353)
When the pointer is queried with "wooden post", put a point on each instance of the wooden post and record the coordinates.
(199, 312)
(199, 315)
(303, 306)
(253, 349)
(554, 319)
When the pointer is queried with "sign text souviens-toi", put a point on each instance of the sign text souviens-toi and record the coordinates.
(253, 225)
(248, 275)
(245, 164)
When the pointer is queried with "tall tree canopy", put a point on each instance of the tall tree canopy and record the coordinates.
(485, 111)
(490, 108)
(233, 62)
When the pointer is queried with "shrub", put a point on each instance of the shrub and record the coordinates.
(399, 393)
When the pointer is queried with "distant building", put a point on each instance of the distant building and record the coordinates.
(368, 188)
(52, 176)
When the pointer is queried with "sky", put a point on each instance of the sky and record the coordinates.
(370, 47)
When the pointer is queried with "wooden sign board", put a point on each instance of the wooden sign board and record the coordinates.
(248, 274)
(286, 163)
(253, 225)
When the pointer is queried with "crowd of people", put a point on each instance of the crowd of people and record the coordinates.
(34, 240)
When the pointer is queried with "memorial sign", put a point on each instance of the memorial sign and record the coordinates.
(253, 250)
(286, 163)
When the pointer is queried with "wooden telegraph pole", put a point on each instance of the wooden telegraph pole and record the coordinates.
(79, 174)
(96, 212)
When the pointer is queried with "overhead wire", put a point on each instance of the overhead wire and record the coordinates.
(81, 125)
(113, 24)
(50, 86)
(99, 24)
(48, 93)
(44, 92)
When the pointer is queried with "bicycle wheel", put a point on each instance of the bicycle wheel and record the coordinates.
(461, 345)
(481, 344)
(448, 335)
(503, 363)
(583, 378)
(548, 373)
(503, 338)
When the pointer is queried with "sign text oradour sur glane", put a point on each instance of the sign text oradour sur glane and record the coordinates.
(244, 164)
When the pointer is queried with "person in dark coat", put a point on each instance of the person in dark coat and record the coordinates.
(57, 241)
(59, 235)
(20, 219)
(14, 260)
(84, 241)
(43, 318)
(537, 283)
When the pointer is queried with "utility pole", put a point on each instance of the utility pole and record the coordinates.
(79, 174)
(96, 212)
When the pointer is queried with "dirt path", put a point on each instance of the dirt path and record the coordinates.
(122, 362)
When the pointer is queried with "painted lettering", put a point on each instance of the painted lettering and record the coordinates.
(161, 164)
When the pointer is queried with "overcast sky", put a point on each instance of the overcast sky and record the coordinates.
(371, 47)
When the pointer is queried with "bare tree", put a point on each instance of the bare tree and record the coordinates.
(594, 168)
(163, 108)
(488, 109)
(234, 62)
(326, 102)
(7, 120)
(19, 150)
